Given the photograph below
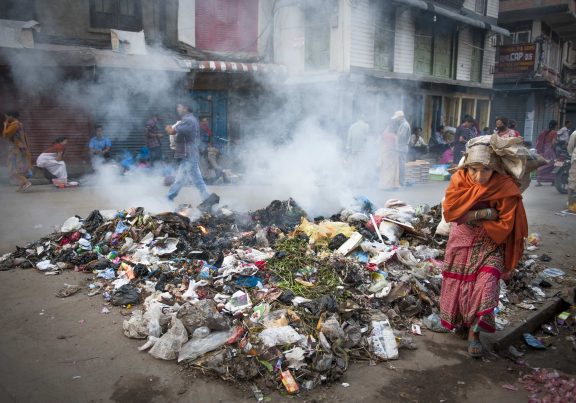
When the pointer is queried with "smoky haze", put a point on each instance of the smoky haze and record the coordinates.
(294, 144)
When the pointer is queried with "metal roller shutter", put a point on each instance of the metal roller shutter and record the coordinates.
(44, 120)
(512, 107)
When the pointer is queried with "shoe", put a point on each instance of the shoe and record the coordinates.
(207, 204)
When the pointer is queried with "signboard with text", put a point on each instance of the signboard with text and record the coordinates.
(516, 59)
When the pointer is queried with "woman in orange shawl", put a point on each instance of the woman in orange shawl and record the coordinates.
(19, 158)
(486, 241)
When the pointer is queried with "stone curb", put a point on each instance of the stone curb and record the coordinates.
(499, 341)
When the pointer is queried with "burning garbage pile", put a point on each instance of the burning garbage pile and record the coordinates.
(271, 296)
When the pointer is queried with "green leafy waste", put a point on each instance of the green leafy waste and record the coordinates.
(296, 260)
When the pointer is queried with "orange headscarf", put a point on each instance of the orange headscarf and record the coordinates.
(502, 194)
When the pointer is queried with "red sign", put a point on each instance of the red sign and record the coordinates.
(516, 59)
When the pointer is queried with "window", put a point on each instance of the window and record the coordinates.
(317, 35)
(19, 10)
(477, 56)
(434, 52)
(384, 27)
(480, 7)
(125, 15)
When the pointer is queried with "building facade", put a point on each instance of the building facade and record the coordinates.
(535, 66)
(434, 60)
(68, 65)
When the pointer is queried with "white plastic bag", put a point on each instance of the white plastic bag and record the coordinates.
(382, 340)
(198, 347)
(275, 336)
(137, 326)
(70, 225)
(167, 346)
(391, 231)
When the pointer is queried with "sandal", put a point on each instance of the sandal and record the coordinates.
(475, 348)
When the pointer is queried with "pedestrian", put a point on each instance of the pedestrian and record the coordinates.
(474, 128)
(154, 139)
(417, 145)
(19, 158)
(206, 137)
(512, 125)
(403, 133)
(502, 128)
(389, 167)
(463, 134)
(545, 147)
(356, 141)
(571, 148)
(52, 159)
(562, 138)
(186, 138)
(100, 146)
(486, 241)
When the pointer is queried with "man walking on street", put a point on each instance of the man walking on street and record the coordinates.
(403, 133)
(187, 137)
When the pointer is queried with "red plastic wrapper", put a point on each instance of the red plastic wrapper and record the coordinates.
(260, 264)
(369, 224)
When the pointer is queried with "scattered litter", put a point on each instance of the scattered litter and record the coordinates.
(271, 293)
(533, 341)
(67, 290)
(552, 272)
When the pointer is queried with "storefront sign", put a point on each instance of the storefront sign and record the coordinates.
(516, 59)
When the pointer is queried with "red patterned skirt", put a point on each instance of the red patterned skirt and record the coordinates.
(473, 264)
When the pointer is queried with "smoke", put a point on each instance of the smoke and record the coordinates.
(295, 134)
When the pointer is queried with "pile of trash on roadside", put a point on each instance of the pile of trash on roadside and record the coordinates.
(271, 295)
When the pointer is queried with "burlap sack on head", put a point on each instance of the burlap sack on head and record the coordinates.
(512, 152)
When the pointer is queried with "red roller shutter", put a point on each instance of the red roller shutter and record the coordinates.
(227, 25)
(45, 120)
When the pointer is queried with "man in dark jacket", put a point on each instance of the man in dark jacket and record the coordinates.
(187, 138)
(463, 134)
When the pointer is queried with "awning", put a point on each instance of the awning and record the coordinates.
(424, 5)
(69, 56)
(234, 67)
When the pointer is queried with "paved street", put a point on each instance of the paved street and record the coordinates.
(69, 351)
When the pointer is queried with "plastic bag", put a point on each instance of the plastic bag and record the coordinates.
(391, 231)
(203, 313)
(127, 294)
(136, 327)
(275, 336)
(432, 322)
(71, 224)
(332, 329)
(323, 232)
(382, 340)
(198, 347)
(154, 313)
(167, 346)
